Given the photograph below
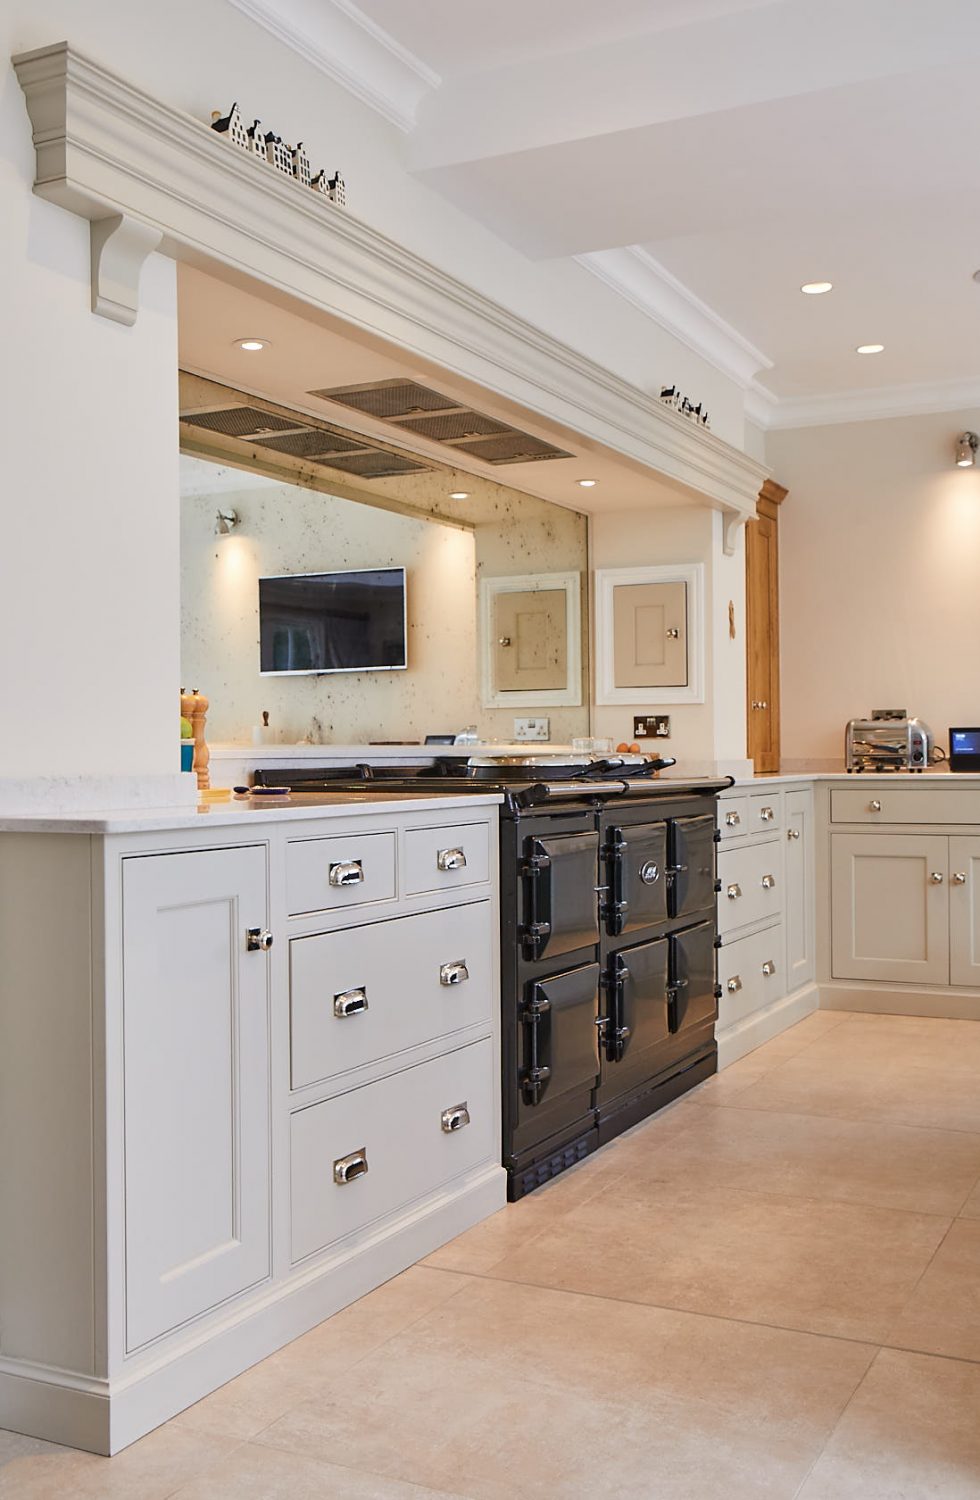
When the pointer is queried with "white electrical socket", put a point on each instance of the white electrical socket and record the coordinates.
(531, 729)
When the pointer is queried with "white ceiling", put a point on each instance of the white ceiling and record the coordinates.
(746, 146)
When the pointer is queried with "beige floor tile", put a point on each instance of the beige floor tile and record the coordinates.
(912, 1432)
(319, 1359)
(480, 1248)
(850, 1161)
(618, 1393)
(971, 1208)
(902, 1072)
(942, 1316)
(258, 1473)
(836, 1268)
(16, 1445)
(149, 1470)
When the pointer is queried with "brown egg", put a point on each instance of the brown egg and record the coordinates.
(622, 748)
(634, 748)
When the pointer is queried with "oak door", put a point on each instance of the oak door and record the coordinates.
(196, 1020)
(762, 629)
(890, 907)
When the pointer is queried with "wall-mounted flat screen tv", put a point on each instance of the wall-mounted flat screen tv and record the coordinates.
(353, 621)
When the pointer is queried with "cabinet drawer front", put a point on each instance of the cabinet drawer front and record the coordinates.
(350, 869)
(733, 817)
(765, 811)
(367, 992)
(402, 1129)
(751, 972)
(904, 805)
(440, 859)
(751, 885)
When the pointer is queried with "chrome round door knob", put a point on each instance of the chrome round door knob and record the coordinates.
(792, 833)
(258, 940)
(959, 878)
(936, 877)
(874, 805)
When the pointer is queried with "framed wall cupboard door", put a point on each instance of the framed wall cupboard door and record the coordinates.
(890, 907)
(196, 1040)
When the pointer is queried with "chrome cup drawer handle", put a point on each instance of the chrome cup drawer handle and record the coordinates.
(734, 891)
(455, 1117)
(734, 984)
(766, 814)
(350, 1003)
(792, 833)
(732, 820)
(768, 881)
(349, 1168)
(455, 972)
(347, 872)
(768, 968)
(451, 859)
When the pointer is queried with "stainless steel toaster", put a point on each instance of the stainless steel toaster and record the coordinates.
(888, 744)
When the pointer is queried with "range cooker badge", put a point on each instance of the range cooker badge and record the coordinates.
(649, 872)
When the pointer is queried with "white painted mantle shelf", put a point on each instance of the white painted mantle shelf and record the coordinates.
(150, 177)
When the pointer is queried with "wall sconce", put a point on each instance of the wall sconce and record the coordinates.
(966, 450)
(225, 521)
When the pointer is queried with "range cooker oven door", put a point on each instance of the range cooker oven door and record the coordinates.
(634, 894)
(691, 872)
(559, 906)
(635, 1021)
(692, 979)
(561, 1042)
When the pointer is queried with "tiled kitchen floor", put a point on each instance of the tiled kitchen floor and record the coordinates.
(772, 1289)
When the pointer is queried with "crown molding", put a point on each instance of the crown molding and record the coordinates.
(771, 412)
(654, 291)
(340, 41)
(105, 149)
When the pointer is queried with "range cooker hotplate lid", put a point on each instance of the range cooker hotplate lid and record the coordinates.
(542, 760)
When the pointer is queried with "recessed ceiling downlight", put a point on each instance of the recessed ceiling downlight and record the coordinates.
(252, 345)
(459, 494)
(816, 288)
(587, 484)
(870, 348)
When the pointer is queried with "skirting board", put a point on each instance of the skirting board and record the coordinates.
(947, 1004)
(762, 1025)
(126, 1409)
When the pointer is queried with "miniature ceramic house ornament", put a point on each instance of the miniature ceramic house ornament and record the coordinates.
(319, 183)
(278, 154)
(302, 170)
(232, 126)
(256, 139)
(338, 189)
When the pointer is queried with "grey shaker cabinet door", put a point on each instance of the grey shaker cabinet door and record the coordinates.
(890, 907)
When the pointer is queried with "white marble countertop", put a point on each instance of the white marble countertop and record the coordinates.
(935, 775)
(230, 813)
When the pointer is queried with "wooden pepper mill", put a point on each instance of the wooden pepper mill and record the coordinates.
(194, 706)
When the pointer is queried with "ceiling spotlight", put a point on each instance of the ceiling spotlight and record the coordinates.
(587, 484)
(816, 288)
(966, 450)
(459, 494)
(225, 522)
(252, 344)
(870, 348)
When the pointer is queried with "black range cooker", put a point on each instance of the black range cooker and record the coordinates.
(607, 942)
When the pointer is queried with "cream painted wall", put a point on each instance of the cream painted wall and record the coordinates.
(879, 577)
(704, 736)
(89, 560)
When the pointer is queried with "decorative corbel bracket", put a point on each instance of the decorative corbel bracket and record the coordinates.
(733, 521)
(120, 245)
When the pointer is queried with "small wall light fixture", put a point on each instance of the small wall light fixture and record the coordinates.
(966, 450)
(225, 522)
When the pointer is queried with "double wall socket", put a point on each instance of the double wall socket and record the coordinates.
(532, 729)
(651, 727)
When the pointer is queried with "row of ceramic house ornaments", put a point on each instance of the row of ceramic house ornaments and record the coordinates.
(292, 161)
(671, 396)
